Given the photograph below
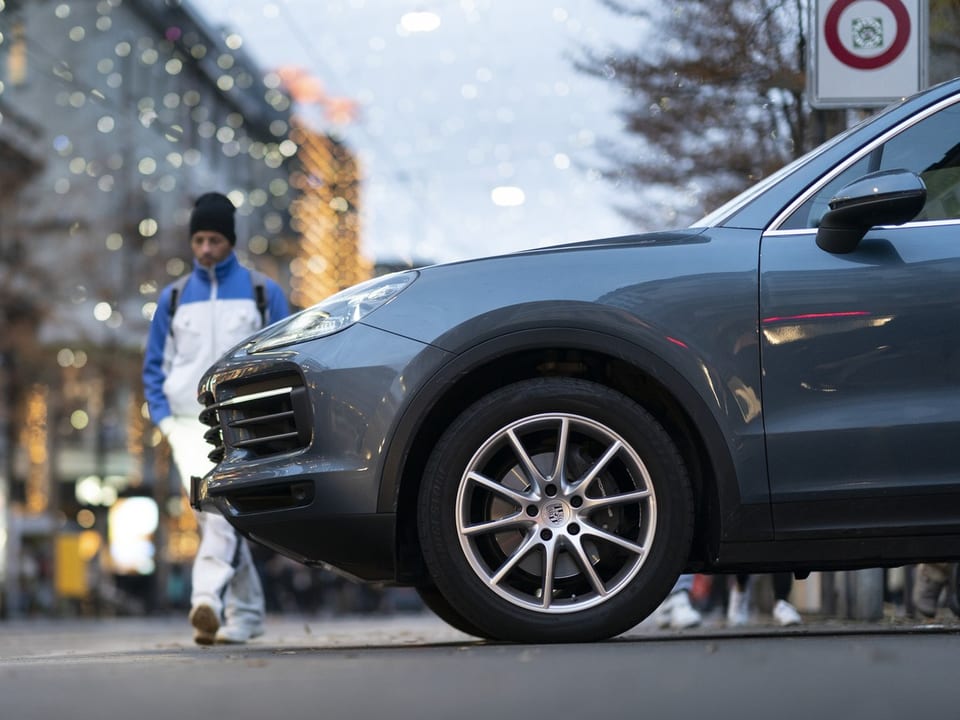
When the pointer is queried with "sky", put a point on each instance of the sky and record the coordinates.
(475, 133)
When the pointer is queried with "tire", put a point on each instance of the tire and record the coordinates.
(436, 602)
(529, 552)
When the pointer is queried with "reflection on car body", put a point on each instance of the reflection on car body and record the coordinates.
(541, 442)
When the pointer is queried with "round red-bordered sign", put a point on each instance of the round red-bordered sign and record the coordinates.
(832, 36)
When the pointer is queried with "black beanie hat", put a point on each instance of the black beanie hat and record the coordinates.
(214, 212)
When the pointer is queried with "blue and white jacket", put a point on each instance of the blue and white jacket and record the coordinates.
(215, 311)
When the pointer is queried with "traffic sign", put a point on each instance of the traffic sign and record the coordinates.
(867, 53)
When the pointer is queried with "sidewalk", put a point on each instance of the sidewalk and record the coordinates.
(38, 638)
(25, 638)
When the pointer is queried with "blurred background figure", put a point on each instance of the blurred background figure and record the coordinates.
(198, 319)
(676, 611)
(738, 605)
(929, 583)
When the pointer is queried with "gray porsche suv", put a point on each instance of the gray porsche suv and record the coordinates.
(541, 442)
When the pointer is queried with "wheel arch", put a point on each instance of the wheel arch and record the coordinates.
(566, 352)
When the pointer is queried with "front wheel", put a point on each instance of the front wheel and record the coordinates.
(555, 510)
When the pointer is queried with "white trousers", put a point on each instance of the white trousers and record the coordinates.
(224, 576)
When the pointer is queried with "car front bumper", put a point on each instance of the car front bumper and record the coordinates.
(301, 435)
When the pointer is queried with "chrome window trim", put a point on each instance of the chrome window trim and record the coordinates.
(856, 157)
(813, 231)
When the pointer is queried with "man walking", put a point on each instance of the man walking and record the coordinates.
(198, 318)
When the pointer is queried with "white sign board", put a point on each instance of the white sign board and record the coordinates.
(867, 53)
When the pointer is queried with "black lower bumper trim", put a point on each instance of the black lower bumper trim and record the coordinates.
(360, 546)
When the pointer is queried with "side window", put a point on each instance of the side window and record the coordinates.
(808, 215)
(930, 148)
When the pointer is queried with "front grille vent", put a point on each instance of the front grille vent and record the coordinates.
(259, 423)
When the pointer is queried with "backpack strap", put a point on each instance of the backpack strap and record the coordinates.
(176, 291)
(259, 281)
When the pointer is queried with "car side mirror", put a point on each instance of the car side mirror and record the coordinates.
(889, 197)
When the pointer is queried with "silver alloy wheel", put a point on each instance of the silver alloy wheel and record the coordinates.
(556, 513)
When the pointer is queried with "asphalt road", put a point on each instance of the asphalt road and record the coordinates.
(414, 666)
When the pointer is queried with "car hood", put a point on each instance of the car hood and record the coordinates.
(652, 239)
(658, 277)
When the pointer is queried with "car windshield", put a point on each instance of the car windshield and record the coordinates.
(731, 206)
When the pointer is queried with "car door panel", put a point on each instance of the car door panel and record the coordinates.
(861, 386)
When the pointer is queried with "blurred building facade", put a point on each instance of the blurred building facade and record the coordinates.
(326, 214)
(114, 116)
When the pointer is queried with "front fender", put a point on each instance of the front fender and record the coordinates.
(734, 446)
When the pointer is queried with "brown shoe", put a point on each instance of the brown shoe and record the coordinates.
(205, 624)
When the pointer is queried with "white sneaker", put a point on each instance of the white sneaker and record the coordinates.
(738, 607)
(786, 614)
(677, 613)
(238, 632)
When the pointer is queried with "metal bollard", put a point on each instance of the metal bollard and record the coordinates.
(864, 590)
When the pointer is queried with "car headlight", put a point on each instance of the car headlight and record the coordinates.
(333, 314)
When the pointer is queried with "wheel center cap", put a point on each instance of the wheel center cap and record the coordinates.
(556, 513)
